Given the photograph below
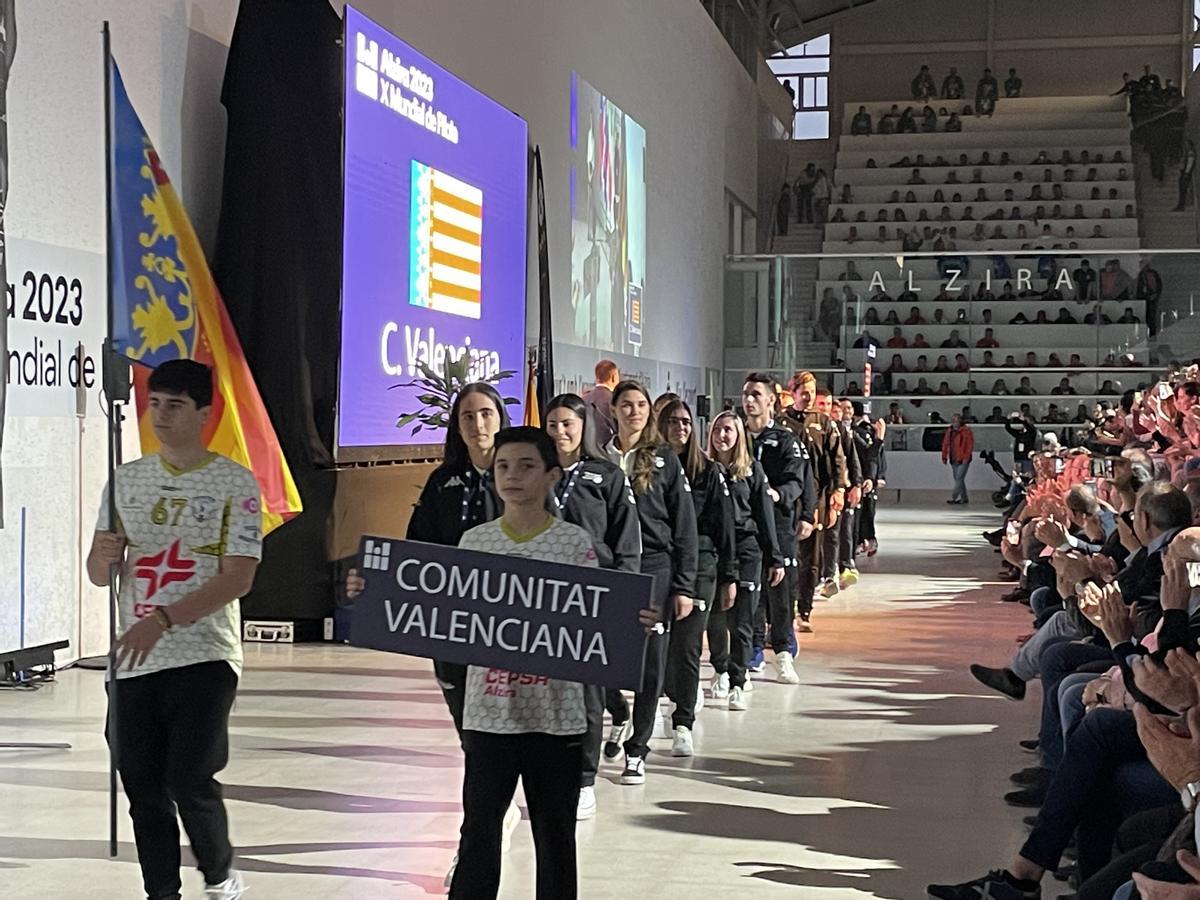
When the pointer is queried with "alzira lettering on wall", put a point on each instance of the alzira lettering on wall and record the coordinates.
(955, 280)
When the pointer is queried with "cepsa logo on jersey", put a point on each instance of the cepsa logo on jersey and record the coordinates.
(251, 506)
(503, 676)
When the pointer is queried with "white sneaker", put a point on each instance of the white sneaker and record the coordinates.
(785, 672)
(749, 685)
(737, 700)
(635, 770)
(699, 697)
(682, 745)
(449, 879)
(587, 804)
(662, 725)
(617, 735)
(720, 686)
(512, 818)
(232, 888)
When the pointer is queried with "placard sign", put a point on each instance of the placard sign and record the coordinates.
(523, 615)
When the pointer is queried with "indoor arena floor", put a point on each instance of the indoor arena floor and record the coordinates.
(884, 770)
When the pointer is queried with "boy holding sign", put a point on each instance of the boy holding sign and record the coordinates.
(516, 725)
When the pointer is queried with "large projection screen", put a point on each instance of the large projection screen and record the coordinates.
(434, 239)
(608, 224)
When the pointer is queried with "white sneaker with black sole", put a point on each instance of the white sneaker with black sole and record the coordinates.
(635, 770)
(682, 745)
(617, 735)
(737, 700)
(662, 725)
(512, 818)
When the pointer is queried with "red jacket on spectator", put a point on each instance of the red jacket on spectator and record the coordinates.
(957, 446)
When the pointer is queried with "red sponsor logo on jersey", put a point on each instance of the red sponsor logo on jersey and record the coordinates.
(164, 568)
(251, 505)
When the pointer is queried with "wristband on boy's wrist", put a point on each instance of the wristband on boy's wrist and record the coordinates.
(164, 620)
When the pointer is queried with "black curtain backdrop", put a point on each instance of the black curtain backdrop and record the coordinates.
(278, 265)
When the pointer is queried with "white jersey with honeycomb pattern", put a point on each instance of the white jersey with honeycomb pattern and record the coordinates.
(501, 702)
(180, 525)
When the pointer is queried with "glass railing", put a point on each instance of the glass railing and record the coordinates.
(984, 333)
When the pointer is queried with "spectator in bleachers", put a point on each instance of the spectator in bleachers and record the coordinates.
(803, 190)
(1054, 362)
(952, 85)
(1079, 213)
(929, 120)
(887, 124)
(954, 342)
(922, 364)
(952, 177)
(1128, 317)
(939, 317)
(897, 364)
(1091, 176)
(1149, 288)
(1187, 167)
(882, 235)
(914, 317)
(1064, 389)
(1025, 388)
(923, 86)
(943, 389)
(919, 342)
(977, 176)
(1054, 416)
(1097, 232)
(1010, 362)
(822, 192)
(872, 317)
(847, 194)
(922, 388)
(783, 210)
(989, 361)
(1076, 361)
(1035, 193)
(851, 273)
(997, 214)
(1115, 283)
(897, 341)
(1128, 86)
(852, 236)
(912, 241)
(988, 339)
(1065, 317)
(915, 178)
(1149, 81)
(986, 93)
(961, 363)
(1015, 214)
(1095, 195)
(1122, 175)
(1000, 389)
(894, 415)
(1041, 159)
(861, 123)
(1031, 360)
(997, 416)
(1081, 415)
(1095, 318)
(1085, 281)
(907, 123)
(954, 123)
(1012, 84)
(942, 365)
(1108, 387)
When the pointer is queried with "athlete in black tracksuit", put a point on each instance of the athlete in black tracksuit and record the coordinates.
(595, 495)
(837, 554)
(716, 567)
(453, 501)
(730, 633)
(789, 471)
(669, 553)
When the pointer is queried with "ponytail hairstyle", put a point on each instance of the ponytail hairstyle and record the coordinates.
(694, 461)
(455, 454)
(588, 448)
(740, 462)
(646, 450)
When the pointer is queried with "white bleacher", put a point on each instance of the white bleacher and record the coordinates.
(1054, 108)
(1022, 128)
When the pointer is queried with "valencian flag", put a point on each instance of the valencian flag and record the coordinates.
(166, 306)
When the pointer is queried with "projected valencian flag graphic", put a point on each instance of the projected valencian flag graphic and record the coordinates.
(434, 237)
(447, 243)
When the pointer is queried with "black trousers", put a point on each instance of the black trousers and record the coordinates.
(866, 517)
(808, 569)
(731, 634)
(831, 539)
(847, 538)
(780, 606)
(645, 701)
(594, 699)
(548, 766)
(452, 679)
(172, 738)
(687, 643)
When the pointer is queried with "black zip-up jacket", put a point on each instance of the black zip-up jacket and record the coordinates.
(452, 502)
(854, 466)
(753, 513)
(789, 471)
(595, 495)
(714, 525)
(870, 449)
(1025, 435)
(668, 519)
